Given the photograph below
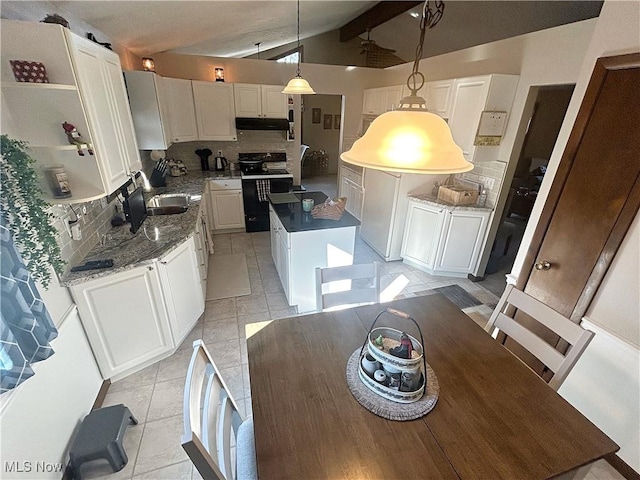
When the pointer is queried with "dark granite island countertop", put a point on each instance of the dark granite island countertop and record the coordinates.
(294, 219)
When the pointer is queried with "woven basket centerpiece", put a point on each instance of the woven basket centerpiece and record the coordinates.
(393, 364)
(330, 209)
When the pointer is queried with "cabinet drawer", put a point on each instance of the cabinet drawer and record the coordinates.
(352, 175)
(225, 184)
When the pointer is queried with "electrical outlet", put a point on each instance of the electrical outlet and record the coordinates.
(219, 153)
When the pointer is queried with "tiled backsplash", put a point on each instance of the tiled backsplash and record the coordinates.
(248, 141)
(492, 171)
(94, 219)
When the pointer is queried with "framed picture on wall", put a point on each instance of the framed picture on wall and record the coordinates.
(315, 115)
(328, 121)
(336, 122)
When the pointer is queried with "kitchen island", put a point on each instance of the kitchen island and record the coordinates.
(300, 243)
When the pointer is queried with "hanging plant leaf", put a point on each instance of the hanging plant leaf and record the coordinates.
(26, 213)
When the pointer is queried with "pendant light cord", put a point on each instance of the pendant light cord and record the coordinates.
(298, 70)
(430, 19)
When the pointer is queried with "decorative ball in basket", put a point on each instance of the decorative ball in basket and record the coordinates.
(393, 364)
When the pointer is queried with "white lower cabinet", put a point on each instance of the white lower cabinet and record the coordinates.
(280, 243)
(182, 289)
(125, 319)
(203, 246)
(227, 209)
(137, 317)
(351, 188)
(444, 240)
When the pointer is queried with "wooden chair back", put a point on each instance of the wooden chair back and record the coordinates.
(577, 337)
(211, 418)
(358, 284)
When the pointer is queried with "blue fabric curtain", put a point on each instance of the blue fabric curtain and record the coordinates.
(26, 328)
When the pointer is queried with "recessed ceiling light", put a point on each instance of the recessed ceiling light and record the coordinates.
(414, 14)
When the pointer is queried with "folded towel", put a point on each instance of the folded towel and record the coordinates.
(264, 189)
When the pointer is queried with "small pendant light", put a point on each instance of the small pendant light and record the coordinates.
(410, 139)
(298, 85)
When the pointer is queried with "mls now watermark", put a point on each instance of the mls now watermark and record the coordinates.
(28, 466)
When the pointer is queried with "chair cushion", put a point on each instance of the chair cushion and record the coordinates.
(246, 451)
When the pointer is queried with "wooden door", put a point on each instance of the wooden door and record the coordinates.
(595, 194)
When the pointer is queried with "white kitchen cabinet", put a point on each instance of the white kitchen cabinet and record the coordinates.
(422, 234)
(125, 319)
(181, 108)
(182, 289)
(203, 244)
(215, 110)
(148, 109)
(260, 101)
(227, 209)
(351, 188)
(280, 252)
(384, 209)
(379, 100)
(86, 89)
(472, 96)
(444, 240)
(439, 97)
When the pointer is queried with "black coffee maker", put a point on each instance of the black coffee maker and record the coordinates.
(204, 155)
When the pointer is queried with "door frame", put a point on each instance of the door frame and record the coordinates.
(602, 67)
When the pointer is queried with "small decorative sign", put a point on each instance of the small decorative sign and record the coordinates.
(30, 72)
(491, 128)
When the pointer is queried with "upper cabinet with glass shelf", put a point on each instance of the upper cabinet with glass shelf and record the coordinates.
(85, 89)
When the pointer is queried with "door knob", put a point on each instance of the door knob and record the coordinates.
(544, 265)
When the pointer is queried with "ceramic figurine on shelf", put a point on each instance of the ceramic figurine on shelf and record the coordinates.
(75, 138)
(404, 349)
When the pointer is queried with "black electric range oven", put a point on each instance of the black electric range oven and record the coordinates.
(262, 173)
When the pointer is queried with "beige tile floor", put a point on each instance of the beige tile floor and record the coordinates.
(154, 394)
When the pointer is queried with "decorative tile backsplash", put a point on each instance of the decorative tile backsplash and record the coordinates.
(490, 175)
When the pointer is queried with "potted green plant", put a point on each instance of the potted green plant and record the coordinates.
(25, 213)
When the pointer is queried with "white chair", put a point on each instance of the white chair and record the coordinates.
(577, 337)
(358, 284)
(303, 150)
(212, 420)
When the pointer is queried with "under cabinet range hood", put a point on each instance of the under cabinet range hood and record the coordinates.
(279, 124)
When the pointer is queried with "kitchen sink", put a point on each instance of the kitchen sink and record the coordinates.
(168, 204)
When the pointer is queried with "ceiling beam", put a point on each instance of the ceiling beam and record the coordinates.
(376, 15)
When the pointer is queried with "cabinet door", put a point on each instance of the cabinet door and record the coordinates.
(469, 99)
(96, 89)
(227, 209)
(374, 101)
(422, 234)
(378, 209)
(128, 142)
(182, 289)
(283, 256)
(438, 96)
(248, 101)
(273, 221)
(462, 240)
(148, 109)
(353, 192)
(182, 118)
(125, 319)
(274, 102)
(392, 98)
(215, 113)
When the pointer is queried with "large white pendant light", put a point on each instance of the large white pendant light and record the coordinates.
(410, 139)
(298, 85)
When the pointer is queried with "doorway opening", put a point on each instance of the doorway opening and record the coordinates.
(321, 131)
(545, 117)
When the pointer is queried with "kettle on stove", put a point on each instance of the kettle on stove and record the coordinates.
(220, 164)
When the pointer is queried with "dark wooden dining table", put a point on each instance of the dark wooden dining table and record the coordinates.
(494, 417)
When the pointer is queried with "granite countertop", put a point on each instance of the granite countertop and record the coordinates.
(294, 219)
(439, 203)
(157, 236)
